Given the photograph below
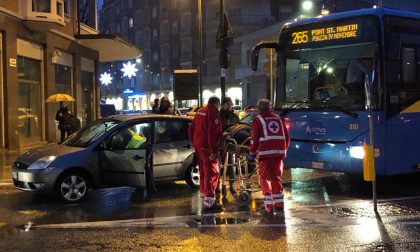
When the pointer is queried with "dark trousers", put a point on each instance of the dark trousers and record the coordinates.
(64, 134)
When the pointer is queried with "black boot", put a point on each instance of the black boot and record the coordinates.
(215, 208)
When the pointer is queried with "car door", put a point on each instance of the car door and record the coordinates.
(171, 147)
(124, 155)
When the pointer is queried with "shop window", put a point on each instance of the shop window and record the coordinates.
(30, 100)
(63, 79)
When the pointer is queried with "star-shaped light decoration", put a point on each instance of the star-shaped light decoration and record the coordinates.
(105, 79)
(129, 69)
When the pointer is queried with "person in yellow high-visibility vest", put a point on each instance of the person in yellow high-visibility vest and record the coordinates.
(136, 140)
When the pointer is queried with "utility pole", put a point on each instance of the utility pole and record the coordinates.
(200, 63)
(223, 51)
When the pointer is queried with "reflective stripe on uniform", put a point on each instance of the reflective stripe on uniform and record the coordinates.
(267, 197)
(276, 196)
(278, 201)
(271, 152)
(268, 202)
(262, 139)
(263, 124)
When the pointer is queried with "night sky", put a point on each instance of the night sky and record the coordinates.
(100, 3)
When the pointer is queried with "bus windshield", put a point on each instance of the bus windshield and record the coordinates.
(329, 77)
(323, 65)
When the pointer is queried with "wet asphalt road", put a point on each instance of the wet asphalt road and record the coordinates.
(324, 212)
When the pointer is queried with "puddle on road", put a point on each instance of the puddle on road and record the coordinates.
(219, 221)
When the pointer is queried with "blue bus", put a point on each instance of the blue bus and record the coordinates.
(323, 64)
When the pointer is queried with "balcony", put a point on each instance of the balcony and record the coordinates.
(42, 15)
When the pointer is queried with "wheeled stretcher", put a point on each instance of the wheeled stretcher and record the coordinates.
(235, 149)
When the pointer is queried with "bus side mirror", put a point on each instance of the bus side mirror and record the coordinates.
(256, 52)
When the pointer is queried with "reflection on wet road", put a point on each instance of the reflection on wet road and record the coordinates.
(324, 211)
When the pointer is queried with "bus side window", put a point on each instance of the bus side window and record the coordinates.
(409, 65)
(403, 79)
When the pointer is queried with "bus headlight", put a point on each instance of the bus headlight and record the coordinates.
(357, 152)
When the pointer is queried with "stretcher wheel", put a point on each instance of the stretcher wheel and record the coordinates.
(244, 198)
(224, 191)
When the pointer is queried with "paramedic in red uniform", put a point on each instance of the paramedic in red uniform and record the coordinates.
(270, 140)
(205, 134)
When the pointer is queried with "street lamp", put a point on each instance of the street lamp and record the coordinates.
(307, 5)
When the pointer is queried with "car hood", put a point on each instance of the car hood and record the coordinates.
(47, 150)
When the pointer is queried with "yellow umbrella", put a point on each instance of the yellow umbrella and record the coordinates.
(60, 98)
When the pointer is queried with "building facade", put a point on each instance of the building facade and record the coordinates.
(167, 32)
(164, 31)
(45, 51)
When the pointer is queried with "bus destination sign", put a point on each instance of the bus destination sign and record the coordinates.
(325, 34)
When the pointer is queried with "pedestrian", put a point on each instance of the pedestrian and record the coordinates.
(270, 140)
(228, 118)
(155, 107)
(63, 117)
(205, 133)
(165, 106)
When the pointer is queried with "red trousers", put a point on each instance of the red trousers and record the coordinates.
(209, 177)
(270, 172)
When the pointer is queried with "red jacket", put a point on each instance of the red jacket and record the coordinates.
(206, 129)
(270, 137)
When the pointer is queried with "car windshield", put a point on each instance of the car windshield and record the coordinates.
(248, 117)
(86, 136)
(328, 77)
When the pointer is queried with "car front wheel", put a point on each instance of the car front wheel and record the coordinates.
(72, 187)
(193, 176)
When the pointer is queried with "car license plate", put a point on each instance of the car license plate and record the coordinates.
(317, 165)
(15, 175)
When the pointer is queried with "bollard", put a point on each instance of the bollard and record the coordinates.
(368, 163)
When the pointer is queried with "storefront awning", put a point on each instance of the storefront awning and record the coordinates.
(110, 47)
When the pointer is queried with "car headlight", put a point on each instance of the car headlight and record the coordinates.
(357, 152)
(42, 163)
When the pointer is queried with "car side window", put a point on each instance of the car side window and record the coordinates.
(171, 131)
(130, 138)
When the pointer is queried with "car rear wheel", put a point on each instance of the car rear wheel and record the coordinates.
(72, 187)
(193, 176)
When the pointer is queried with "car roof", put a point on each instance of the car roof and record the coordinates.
(125, 118)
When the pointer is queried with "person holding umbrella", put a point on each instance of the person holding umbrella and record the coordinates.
(63, 115)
